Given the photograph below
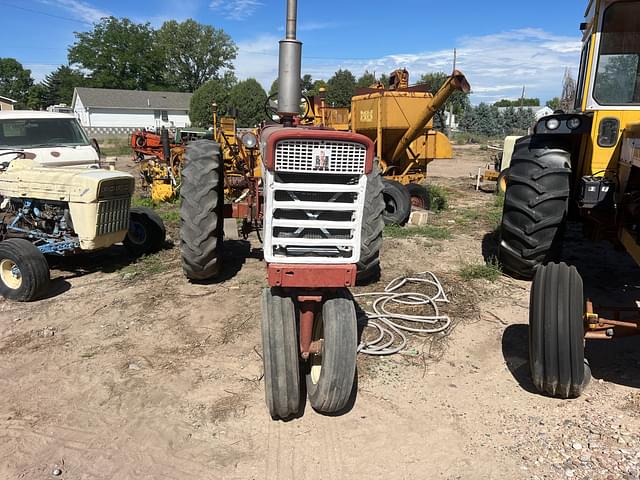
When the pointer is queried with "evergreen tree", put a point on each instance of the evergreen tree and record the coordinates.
(366, 80)
(216, 90)
(59, 85)
(248, 99)
(340, 89)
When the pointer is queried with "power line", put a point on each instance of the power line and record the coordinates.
(39, 12)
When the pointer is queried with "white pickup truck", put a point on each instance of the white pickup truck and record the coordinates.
(56, 200)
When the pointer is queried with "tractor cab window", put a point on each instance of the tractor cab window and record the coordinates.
(618, 75)
(584, 61)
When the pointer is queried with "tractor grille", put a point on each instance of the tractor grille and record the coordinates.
(326, 156)
(115, 188)
(113, 216)
(315, 218)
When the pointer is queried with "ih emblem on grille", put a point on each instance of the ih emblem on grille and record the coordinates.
(321, 158)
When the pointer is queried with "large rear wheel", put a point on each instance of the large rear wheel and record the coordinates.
(535, 205)
(280, 354)
(201, 210)
(372, 228)
(556, 332)
(331, 373)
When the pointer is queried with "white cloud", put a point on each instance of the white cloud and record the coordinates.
(497, 65)
(235, 9)
(258, 58)
(79, 9)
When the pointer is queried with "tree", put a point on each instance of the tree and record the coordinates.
(58, 85)
(317, 85)
(37, 97)
(366, 80)
(458, 102)
(340, 89)
(307, 86)
(248, 99)
(119, 53)
(521, 102)
(194, 53)
(15, 81)
(215, 90)
(569, 91)
(306, 83)
(554, 103)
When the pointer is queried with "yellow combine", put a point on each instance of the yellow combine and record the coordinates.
(580, 165)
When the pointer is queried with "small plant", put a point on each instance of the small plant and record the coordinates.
(170, 216)
(145, 265)
(490, 270)
(428, 231)
(438, 198)
(141, 202)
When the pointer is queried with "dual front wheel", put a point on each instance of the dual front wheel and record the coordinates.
(329, 374)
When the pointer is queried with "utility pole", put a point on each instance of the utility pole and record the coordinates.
(524, 89)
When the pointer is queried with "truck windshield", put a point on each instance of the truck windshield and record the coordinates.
(618, 75)
(41, 132)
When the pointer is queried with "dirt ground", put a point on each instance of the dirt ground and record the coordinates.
(128, 371)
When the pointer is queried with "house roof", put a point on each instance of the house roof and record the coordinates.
(7, 99)
(131, 99)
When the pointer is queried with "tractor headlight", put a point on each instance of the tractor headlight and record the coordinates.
(249, 140)
(552, 124)
(574, 123)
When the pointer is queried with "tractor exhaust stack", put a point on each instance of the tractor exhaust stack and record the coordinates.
(290, 68)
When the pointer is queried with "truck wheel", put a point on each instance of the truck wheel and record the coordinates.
(146, 232)
(372, 227)
(397, 203)
(24, 272)
(280, 354)
(556, 332)
(419, 195)
(202, 195)
(331, 372)
(536, 204)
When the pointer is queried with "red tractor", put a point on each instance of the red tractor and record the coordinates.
(316, 195)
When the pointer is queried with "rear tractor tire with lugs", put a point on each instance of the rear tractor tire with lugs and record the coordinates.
(535, 205)
(201, 211)
(372, 228)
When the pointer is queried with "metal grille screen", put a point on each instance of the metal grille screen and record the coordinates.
(320, 156)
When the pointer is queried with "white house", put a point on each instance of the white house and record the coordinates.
(104, 110)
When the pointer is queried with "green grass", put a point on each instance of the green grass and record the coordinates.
(145, 265)
(141, 202)
(428, 231)
(116, 147)
(438, 198)
(490, 271)
(491, 214)
(170, 216)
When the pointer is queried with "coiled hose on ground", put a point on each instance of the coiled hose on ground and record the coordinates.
(391, 326)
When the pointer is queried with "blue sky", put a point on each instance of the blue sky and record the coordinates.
(502, 45)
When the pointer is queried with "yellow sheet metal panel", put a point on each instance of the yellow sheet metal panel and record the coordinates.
(606, 158)
(399, 110)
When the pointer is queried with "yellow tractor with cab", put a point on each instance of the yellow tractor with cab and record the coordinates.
(580, 165)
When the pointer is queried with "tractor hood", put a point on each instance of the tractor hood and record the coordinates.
(25, 178)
